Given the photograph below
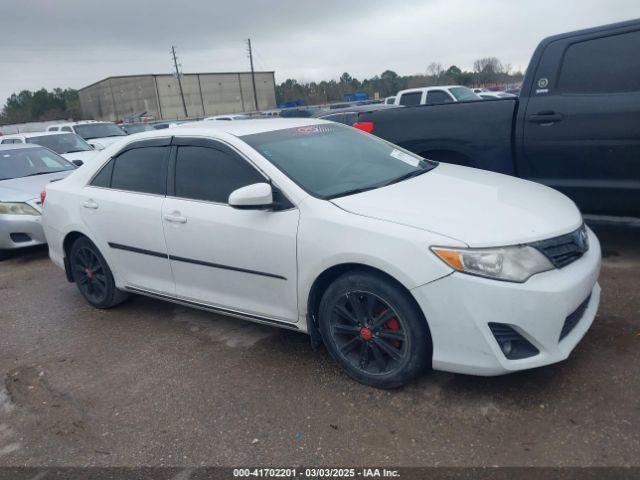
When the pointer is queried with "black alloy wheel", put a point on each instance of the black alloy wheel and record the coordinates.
(92, 275)
(369, 333)
(374, 329)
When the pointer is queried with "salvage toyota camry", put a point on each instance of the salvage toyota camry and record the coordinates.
(394, 262)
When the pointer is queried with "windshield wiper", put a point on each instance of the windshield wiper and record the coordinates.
(42, 173)
(76, 151)
(352, 192)
(406, 176)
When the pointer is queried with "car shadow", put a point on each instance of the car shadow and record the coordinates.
(26, 255)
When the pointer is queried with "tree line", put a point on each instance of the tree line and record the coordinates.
(488, 71)
(41, 105)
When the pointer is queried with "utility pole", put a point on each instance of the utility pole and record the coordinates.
(178, 75)
(253, 75)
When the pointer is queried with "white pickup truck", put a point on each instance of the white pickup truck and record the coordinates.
(435, 95)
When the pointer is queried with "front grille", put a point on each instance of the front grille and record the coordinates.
(565, 249)
(572, 320)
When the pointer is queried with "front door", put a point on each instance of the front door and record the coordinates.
(243, 261)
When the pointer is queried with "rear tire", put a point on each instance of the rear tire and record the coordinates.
(374, 330)
(92, 275)
(4, 254)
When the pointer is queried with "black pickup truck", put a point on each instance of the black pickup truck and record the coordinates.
(575, 126)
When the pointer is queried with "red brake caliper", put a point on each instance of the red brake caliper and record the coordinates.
(393, 324)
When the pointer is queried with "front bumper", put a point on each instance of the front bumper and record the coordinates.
(26, 231)
(460, 307)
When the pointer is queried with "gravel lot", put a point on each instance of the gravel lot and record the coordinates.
(151, 383)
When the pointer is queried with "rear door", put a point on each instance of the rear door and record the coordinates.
(122, 208)
(241, 261)
(582, 122)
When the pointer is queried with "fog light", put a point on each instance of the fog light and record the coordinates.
(513, 345)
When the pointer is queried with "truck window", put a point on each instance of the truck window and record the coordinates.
(409, 99)
(602, 65)
(435, 97)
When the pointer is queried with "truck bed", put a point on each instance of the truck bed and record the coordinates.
(477, 134)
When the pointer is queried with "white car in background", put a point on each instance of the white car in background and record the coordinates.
(435, 95)
(98, 134)
(67, 145)
(395, 262)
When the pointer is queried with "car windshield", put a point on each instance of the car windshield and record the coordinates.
(63, 143)
(137, 128)
(463, 94)
(332, 160)
(26, 162)
(98, 130)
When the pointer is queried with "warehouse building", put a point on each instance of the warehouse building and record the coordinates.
(205, 94)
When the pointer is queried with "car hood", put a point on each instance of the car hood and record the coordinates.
(27, 188)
(473, 206)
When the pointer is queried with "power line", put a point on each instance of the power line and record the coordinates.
(178, 74)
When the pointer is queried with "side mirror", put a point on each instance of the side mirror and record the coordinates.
(252, 197)
(97, 146)
(77, 163)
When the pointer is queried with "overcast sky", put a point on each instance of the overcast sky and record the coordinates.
(65, 43)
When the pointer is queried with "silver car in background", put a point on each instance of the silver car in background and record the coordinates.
(24, 172)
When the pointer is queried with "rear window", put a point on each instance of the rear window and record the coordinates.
(602, 65)
(141, 170)
(409, 99)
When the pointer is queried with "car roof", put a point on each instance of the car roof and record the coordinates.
(426, 89)
(18, 146)
(238, 128)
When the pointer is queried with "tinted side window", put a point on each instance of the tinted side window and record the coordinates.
(603, 65)
(408, 99)
(208, 174)
(141, 170)
(66, 129)
(52, 129)
(103, 178)
(438, 96)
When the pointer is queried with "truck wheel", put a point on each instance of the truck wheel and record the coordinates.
(93, 276)
(374, 330)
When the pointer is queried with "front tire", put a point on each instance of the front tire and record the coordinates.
(374, 330)
(92, 275)
(4, 254)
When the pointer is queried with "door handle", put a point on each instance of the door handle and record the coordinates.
(548, 116)
(175, 217)
(91, 204)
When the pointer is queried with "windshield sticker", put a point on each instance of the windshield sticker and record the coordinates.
(406, 158)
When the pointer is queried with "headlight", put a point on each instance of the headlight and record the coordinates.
(512, 264)
(17, 209)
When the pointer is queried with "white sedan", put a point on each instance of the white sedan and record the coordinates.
(395, 262)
